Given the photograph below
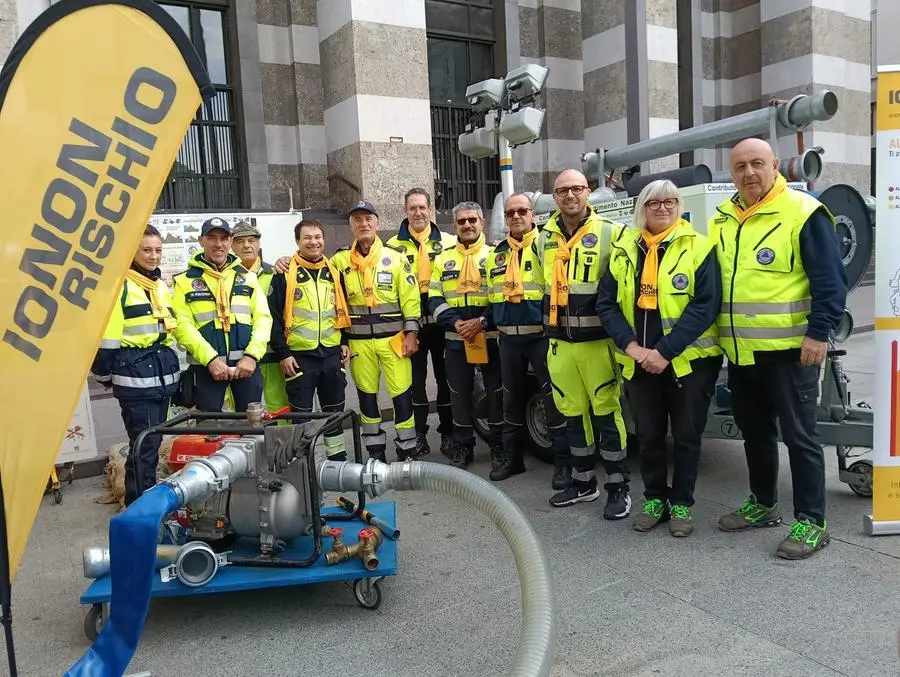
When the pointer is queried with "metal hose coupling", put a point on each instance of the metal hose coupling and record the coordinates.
(203, 478)
(373, 477)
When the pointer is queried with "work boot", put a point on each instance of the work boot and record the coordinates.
(805, 539)
(447, 448)
(422, 447)
(463, 455)
(506, 466)
(749, 515)
(562, 476)
(682, 523)
(573, 494)
(378, 455)
(654, 512)
(618, 503)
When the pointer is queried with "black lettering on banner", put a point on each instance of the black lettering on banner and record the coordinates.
(67, 223)
(69, 268)
(96, 151)
(149, 78)
(102, 210)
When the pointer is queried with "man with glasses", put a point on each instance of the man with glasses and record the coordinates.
(422, 241)
(516, 282)
(458, 300)
(575, 247)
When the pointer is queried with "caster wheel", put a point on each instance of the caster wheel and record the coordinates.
(370, 598)
(861, 484)
(94, 621)
(57, 496)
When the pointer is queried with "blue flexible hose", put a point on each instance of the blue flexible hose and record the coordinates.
(133, 537)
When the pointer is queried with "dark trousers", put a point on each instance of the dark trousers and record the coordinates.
(516, 353)
(138, 415)
(461, 379)
(325, 376)
(210, 394)
(786, 392)
(657, 399)
(431, 342)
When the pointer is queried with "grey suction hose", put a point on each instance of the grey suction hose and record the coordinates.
(537, 640)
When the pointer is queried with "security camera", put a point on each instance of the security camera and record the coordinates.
(526, 82)
(523, 126)
(479, 143)
(485, 95)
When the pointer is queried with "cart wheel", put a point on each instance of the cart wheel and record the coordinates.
(57, 496)
(368, 595)
(861, 484)
(93, 622)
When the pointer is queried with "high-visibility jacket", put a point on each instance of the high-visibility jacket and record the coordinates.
(397, 304)
(135, 354)
(314, 313)
(765, 290)
(588, 261)
(264, 273)
(525, 317)
(448, 305)
(200, 330)
(686, 250)
(438, 240)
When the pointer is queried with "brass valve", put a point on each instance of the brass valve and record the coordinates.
(370, 539)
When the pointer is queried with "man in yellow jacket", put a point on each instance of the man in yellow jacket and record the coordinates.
(246, 242)
(382, 295)
(223, 321)
(784, 289)
(575, 247)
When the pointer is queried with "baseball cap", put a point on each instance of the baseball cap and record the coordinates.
(363, 206)
(215, 223)
(245, 229)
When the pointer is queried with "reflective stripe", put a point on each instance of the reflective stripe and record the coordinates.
(110, 344)
(305, 314)
(453, 336)
(767, 308)
(764, 332)
(582, 451)
(143, 382)
(378, 328)
(522, 329)
(139, 329)
(103, 379)
(208, 316)
(329, 333)
(410, 325)
(406, 434)
(498, 287)
(582, 476)
(235, 354)
(612, 455)
(577, 321)
(668, 323)
(304, 333)
(440, 309)
(240, 305)
(704, 342)
(371, 428)
(450, 294)
(434, 285)
(377, 309)
(582, 287)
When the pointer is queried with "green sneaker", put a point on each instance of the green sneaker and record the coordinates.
(751, 514)
(805, 539)
(653, 512)
(682, 522)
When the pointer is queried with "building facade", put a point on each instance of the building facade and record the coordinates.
(321, 103)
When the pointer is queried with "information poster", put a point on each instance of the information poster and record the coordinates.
(885, 517)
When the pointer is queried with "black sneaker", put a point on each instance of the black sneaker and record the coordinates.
(562, 477)
(618, 504)
(422, 446)
(574, 494)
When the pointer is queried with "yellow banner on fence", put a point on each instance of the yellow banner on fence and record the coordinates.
(95, 99)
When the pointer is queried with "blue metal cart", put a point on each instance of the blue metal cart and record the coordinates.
(232, 578)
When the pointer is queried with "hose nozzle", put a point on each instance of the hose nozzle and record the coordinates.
(373, 477)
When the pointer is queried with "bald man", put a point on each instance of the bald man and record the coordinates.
(784, 290)
(574, 247)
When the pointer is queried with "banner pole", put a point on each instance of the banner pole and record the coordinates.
(6, 590)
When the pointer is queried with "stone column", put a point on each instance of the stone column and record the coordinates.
(808, 46)
(659, 55)
(377, 113)
(551, 36)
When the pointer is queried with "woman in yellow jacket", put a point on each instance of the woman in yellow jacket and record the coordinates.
(659, 301)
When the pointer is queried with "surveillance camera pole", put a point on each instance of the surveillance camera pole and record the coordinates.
(506, 166)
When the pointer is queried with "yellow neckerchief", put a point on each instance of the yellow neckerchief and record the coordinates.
(160, 309)
(223, 299)
(256, 267)
(777, 189)
(341, 312)
(559, 286)
(469, 279)
(366, 266)
(513, 289)
(650, 274)
(424, 263)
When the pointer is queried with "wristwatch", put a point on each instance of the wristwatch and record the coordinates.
(484, 323)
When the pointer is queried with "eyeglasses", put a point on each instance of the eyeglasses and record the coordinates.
(521, 211)
(576, 190)
(472, 219)
(668, 203)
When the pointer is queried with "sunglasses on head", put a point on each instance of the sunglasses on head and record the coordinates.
(472, 219)
(521, 211)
